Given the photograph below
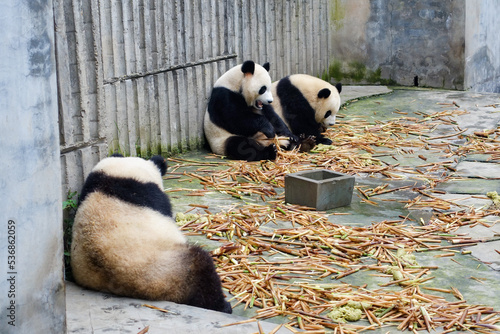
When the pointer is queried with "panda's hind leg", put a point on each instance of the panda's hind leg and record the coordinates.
(204, 282)
(245, 148)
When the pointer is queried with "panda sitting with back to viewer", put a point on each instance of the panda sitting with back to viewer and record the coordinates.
(307, 105)
(236, 123)
(126, 242)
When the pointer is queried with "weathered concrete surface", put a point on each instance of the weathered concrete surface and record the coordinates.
(456, 271)
(446, 44)
(482, 46)
(352, 92)
(31, 268)
(402, 39)
(94, 312)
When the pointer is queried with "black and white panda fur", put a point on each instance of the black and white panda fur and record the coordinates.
(236, 124)
(307, 105)
(126, 242)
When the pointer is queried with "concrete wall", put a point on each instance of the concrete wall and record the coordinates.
(482, 48)
(394, 41)
(31, 260)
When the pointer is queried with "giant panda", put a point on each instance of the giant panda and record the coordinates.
(307, 105)
(236, 123)
(125, 240)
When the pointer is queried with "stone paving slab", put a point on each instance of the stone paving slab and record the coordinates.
(486, 251)
(350, 93)
(466, 200)
(483, 170)
(469, 186)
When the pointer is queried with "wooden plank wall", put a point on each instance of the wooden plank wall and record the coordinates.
(79, 79)
(135, 75)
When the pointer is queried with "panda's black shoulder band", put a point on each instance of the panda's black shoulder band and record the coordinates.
(128, 190)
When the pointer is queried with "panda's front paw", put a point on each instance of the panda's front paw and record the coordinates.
(270, 152)
(294, 139)
(307, 143)
(325, 141)
(291, 143)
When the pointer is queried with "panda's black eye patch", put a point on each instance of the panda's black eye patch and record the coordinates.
(262, 90)
(328, 114)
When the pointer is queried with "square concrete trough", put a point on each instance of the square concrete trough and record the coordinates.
(321, 189)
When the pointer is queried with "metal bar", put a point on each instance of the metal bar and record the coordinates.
(82, 144)
(169, 69)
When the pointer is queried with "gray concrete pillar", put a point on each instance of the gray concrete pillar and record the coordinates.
(32, 294)
(482, 46)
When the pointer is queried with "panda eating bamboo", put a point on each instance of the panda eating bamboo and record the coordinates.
(246, 112)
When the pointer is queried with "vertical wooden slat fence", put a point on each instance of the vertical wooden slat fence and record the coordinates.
(135, 75)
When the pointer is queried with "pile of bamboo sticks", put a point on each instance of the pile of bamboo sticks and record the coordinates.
(278, 270)
(297, 272)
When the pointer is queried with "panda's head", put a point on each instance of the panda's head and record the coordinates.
(251, 80)
(256, 84)
(323, 97)
(328, 104)
(141, 170)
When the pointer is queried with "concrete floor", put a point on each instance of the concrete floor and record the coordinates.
(474, 175)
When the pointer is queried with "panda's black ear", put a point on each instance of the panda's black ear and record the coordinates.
(324, 93)
(339, 87)
(116, 155)
(248, 67)
(266, 66)
(161, 163)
